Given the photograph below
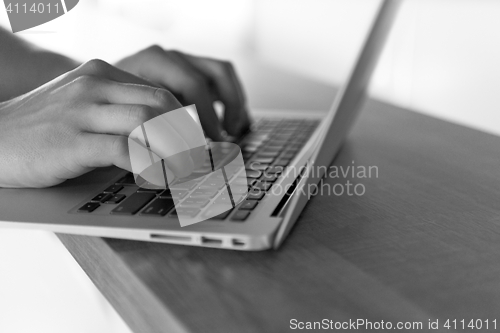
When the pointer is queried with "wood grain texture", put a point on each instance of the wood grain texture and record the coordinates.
(422, 243)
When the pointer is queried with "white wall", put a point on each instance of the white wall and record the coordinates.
(442, 58)
(112, 29)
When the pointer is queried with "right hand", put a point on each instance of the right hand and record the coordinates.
(75, 123)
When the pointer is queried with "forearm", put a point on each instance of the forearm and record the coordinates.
(24, 67)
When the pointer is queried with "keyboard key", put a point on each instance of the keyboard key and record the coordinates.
(283, 137)
(268, 178)
(184, 186)
(205, 193)
(292, 150)
(168, 194)
(271, 149)
(232, 170)
(277, 142)
(185, 212)
(300, 138)
(288, 155)
(248, 205)
(282, 162)
(240, 216)
(223, 199)
(239, 189)
(258, 166)
(114, 199)
(159, 207)
(294, 146)
(274, 170)
(256, 137)
(213, 187)
(148, 190)
(113, 189)
(212, 183)
(222, 216)
(262, 186)
(275, 148)
(195, 202)
(88, 207)
(255, 195)
(217, 209)
(242, 182)
(250, 148)
(178, 194)
(101, 197)
(268, 154)
(262, 160)
(253, 173)
(128, 179)
(134, 203)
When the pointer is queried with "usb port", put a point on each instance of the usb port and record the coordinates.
(211, 241)
(237, 242)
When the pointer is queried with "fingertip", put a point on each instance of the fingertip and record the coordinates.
(237, 121)
(216, 134)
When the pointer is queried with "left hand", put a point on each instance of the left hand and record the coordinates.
(195, 80)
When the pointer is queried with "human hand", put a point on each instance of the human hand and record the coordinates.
(195, 80)
(75, 123)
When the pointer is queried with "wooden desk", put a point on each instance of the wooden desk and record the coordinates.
(422, 243)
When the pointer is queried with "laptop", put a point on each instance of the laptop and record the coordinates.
(280, 152)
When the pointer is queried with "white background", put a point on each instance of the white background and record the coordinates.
(442, 59)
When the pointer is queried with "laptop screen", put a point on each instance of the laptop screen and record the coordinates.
(348, 102)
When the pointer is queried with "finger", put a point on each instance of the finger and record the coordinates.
(160, 139)
(99, 68)
(101, 90)
(168, 135)
(104, 70)
(148, 165)
(117, 119)
(101, 150)
(227, 88)
(183, 79)
(175, 126)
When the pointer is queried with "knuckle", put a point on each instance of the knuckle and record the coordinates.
(83, 83)
(85, 151)
(140, 114)
(196, 82)
(226, 64)
(154, 49)
(119, 146)
(226, 67)
(96, 66)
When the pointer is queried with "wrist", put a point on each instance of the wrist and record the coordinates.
(50, 65)
(36, 68)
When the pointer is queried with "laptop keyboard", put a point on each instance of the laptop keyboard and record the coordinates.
(267, 150)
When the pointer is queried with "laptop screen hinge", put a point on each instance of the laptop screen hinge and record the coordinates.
(288, 195)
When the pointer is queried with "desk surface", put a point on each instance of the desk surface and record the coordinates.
(422, 243)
